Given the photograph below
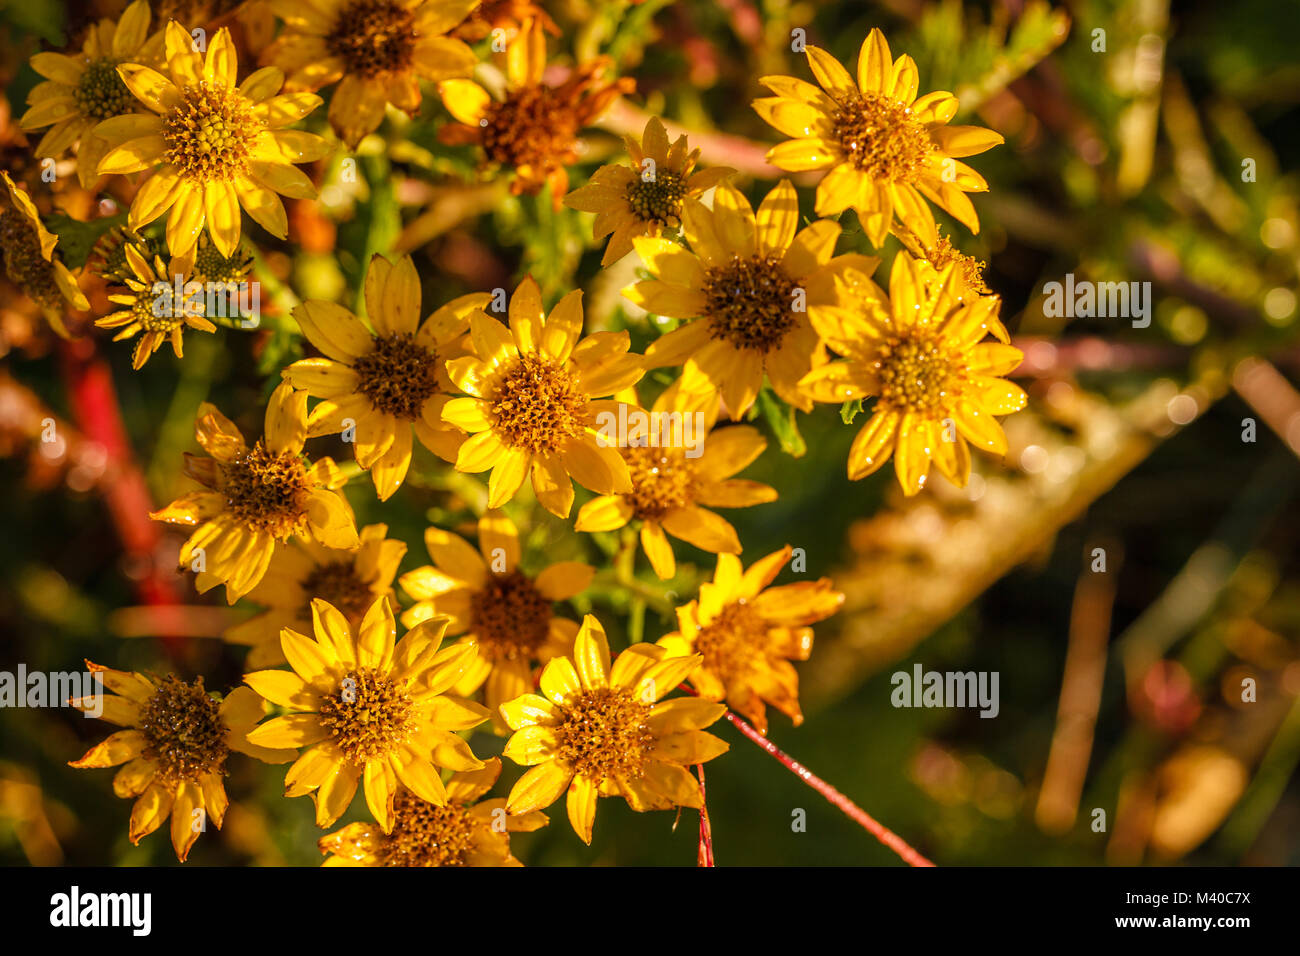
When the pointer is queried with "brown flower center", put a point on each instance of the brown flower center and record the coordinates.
(425, 835)
(24, 264)
(373, 36)
(750, 302)
(882, 138)
(183, 732)
(733, 642)
(398, 376)
(265, 491)
(101, 94)
(538, 405)
(533, 127)
(339, 583)
(603, 734)
(917, 374)
(662, 479)
(659, 199)
(209, 137)
(510, 617)
(369, 715)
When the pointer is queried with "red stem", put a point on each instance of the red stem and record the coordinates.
(833, 796)
(706, 831)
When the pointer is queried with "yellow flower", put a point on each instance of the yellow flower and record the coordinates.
(748, 633)
(534, 129)
(369, 711)
(212, 146)
(388, 383)
(254, 499)
(81, 91)
(379, 49)
(28, 251)
(467, 831)
(506, 613)
(532, 404)
(175, 748)
(754, 284)
(603, 731)
(154, 313)
(671, 481)
(886, 151)
(937, 385)
(303, 570)
(645, 198)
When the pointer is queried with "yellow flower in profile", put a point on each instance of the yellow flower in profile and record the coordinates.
(376, 50)
(534, 129)
(748, 633)
(350, 580)
(885, 151)
(255, 498)
(645, 198)
(467, 831)
(82, 90)
(603, 731)
(384, 385)
(751, 283)
(28, 251)
(152, 311)
(175, 747)
(675, 482)
(937, 384)
(506, 613)
(533, 401)
(369, 711)
(212, 146)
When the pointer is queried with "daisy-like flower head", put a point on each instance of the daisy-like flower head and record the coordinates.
(748, 633)
(368, 711)
(212, 146)
(532, 402)
(82, 90)
(175, 747)
(152, 309)
(885, 151)
(255, 498)
(603, 731)
(467, 831)
(645, 198)
(387, 383)
(108, 258)
(378, 49)
(534, 130)
(509, 615)
(920, 353)
(751, 283)
(674, 484)
(301, 571)
(27, 248)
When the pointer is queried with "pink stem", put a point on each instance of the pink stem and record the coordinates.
(706, 831)
(833, 796)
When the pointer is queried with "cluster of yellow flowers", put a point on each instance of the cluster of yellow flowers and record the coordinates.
(759, 298)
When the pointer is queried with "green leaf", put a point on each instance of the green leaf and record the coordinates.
(780, 418)
(77, 238)
(849, 410)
